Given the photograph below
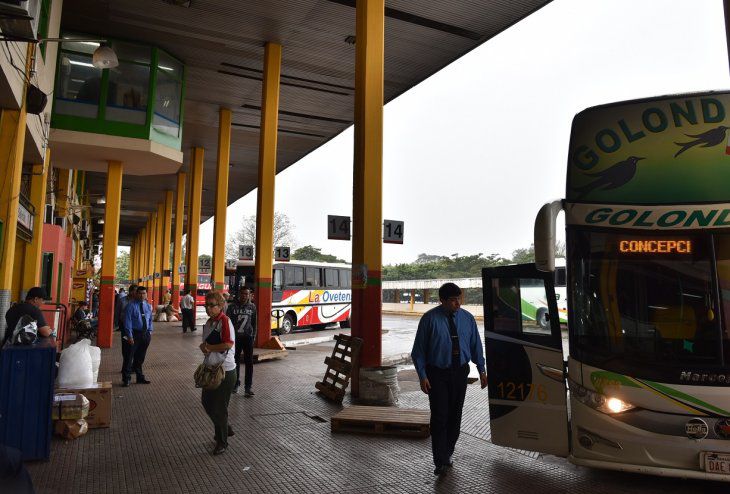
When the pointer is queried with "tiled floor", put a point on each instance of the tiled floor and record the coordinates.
(160, 442)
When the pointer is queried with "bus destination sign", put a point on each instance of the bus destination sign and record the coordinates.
(655, 246)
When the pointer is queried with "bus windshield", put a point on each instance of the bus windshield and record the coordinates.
(642, 303)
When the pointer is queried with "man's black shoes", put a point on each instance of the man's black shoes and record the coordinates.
(125, 383)
(219, 448)
(143, 381)
(248, 393)
(440, 470)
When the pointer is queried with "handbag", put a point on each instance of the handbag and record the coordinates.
(209, 377)
(210, 374)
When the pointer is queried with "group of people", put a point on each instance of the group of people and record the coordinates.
(446, 341)
(228, 336)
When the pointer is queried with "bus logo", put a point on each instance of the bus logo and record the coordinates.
(696, 429)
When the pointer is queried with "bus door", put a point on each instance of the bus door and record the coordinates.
(527, 390)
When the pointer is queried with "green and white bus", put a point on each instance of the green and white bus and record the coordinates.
(646, 385)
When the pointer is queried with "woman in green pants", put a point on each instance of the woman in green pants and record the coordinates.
(218, 339)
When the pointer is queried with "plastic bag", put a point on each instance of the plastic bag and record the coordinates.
(95, 353)
(75, 370)
(25, 332)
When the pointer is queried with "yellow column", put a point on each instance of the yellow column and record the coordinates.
(145, 254)
(165, 247)
(221, 199)
(177, 243)
(157, 276)
(12, 143)
(32, 265)
(367, 215)
(265, 197)
(109, 254)
(151, 256)
(196, 192)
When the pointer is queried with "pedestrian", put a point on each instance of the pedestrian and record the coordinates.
(137, 333)
(95, 303)
(446, 340)
(120, 315)
(187, 307)
(243, 315)
(216, 346)
(30, 307)
(119, 304)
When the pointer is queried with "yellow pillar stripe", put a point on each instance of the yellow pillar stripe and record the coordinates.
(12, 142)
(267, 161)
(111, 219)
(179, 213)
(166, 239)
(159, 245)
(368, 168)
(221, 196)
(151, 248)
(32, 264)
(196, 192)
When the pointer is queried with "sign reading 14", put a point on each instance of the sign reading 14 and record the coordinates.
(338, 228)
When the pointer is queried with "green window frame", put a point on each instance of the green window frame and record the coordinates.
(59, 282)
(47, 273)
(43, 21)
(99, 124)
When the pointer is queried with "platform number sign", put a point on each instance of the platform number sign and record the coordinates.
(281, 254)
(245, 252)
(231, 263)
(392, 232)
(338, 227)
(204, 265)
(182, 269)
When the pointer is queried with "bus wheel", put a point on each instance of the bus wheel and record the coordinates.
(287, 324)
(541, 317)
(345, 324)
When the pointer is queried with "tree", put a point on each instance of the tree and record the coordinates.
(426, 258)
(442, 267)
(522, 256)
(122, 271)
(311, 253)
(246, 235)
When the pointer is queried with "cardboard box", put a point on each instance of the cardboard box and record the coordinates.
(100, 403)
(69, 406)
(71, 429)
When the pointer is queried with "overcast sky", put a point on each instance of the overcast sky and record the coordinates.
(472, 153)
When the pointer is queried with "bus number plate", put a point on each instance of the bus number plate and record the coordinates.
(717, 463)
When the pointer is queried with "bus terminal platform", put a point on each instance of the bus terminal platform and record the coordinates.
(160, 441)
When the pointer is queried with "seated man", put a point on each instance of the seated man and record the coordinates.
(30, 307)
(81, 313)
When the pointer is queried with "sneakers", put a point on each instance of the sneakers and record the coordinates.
(248, 393)
(125, 383)
(235, 388)
(219, 448)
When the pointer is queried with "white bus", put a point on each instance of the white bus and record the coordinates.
(534, 301)
(304, 293)
(646, 386)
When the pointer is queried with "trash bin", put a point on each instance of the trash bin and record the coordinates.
(27, 373)
(379, 385)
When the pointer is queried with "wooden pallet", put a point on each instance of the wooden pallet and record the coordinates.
(261, 354)
(345, 358)
(408, 422)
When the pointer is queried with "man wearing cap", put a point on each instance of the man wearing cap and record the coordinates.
(31, 307)
(446, 340)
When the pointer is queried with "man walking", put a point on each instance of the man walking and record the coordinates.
(137, 334)
(242, 313)
(120, 314)
(446, 340)
(187, 307)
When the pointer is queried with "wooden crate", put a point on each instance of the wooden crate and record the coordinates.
(340, 365)
(408, 422)
(261, 354)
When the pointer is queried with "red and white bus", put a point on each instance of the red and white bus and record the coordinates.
(204, 286)
(305, 293)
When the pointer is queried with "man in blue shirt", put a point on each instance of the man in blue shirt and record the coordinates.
(136, 334)
(446, 340)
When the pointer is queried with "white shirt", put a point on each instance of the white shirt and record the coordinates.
(187, 302)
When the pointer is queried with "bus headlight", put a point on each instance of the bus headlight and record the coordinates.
(606, 404)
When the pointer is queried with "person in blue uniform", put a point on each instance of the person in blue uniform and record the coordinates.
(136, 334)
(446, 340)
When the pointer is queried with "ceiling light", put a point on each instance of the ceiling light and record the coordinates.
(101, 221)
(101, 200)
(83, 64)
(105, 58)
